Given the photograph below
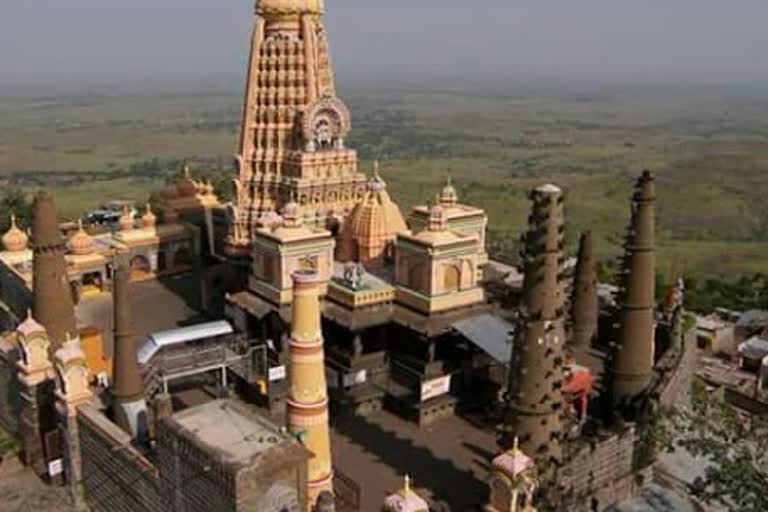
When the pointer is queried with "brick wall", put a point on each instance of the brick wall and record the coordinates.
(601, 469)
(116, 476)
(193, 480)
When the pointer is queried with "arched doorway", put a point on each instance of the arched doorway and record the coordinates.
(92, 284)
(140, 268)
(451, 279)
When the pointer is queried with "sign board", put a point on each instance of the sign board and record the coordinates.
(277, 373)
(55, 467)
(353, 379)
(435, 387)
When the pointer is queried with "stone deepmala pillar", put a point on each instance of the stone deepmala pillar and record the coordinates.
(308, 398)
(53, 305)
(35, 373)
(584, 297)
(73, 390)
(632, 365)
(535, 397)
(128, 404)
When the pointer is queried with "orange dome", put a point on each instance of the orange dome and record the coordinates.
(148, 220)
(186, 186)
(126, 220)
(81, 243)
(373, 224)
(15, 240)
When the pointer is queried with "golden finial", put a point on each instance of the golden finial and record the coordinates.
(13, 220)
(186, 170)
(29, 313)
(149, 208)
(376, 168)
(516, 445)
(449, 181)
(407, 486)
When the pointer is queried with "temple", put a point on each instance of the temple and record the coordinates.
(208, 355)
(293, 125)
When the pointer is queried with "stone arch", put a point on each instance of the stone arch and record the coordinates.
(451, 278)
(501, 493)
(140, 267)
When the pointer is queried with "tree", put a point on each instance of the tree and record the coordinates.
(736, 445)
(14, 201)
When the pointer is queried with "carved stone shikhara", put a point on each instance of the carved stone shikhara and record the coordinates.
(293, 125)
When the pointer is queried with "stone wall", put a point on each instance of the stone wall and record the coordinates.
(116, 476)
(600, 469)
(191, 478)
(10, 403)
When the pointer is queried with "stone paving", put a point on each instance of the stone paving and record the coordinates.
(22, 491)
(448, 462)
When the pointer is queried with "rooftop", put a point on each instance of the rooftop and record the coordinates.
(232, 430)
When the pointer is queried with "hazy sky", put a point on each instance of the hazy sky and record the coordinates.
(58, 41)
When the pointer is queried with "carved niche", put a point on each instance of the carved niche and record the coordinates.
(34, 349)
(325, 124)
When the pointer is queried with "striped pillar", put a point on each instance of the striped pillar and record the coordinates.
(308, 398)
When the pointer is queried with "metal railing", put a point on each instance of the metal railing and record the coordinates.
(249, 365)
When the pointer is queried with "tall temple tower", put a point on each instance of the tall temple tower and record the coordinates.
(584, 297)
(308, 395)
(537, 366)
(293, 125)
(53, 305)
(127, 384)
(633, 359)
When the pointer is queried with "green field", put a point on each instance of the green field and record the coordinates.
(709, 151)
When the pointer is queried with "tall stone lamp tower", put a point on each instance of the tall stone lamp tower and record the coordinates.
(535, 392)
(632, 365)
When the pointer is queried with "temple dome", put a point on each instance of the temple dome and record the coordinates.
(126, 220)
(170, 215)
(372, 225)
(148, 220)
(30, 326)
(292, 215)
(15, 240)
(405, 500)
(186, 186)
(81, 243)
(448, 196)
(273, 7)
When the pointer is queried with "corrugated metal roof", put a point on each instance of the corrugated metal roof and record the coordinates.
(492, 334)
(158, 340)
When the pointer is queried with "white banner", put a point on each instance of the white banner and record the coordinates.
(55, 467)
(276, 373)
(353, 379)
(435, 387)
